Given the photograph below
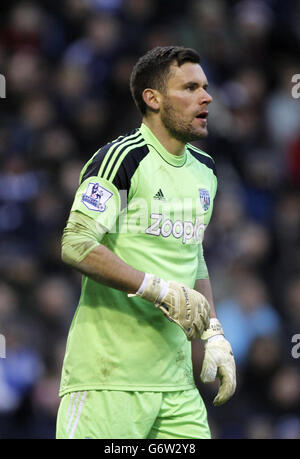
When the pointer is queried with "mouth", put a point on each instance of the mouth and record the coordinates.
(202, 119)
(202, 115)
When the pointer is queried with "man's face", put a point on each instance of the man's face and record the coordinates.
(184, 106)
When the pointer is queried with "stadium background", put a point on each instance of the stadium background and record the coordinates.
(67, 66)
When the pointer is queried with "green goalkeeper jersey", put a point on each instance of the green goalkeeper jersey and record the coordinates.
(155, 207)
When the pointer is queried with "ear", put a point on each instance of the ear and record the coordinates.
(152, 98)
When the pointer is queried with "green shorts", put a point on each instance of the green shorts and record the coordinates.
(132, 415)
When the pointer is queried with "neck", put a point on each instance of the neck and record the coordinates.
(172, 145)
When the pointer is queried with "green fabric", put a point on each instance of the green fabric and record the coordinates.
(132, 415)
(81, 235)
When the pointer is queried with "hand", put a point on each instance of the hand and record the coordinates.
(186, 307)
(218, 363)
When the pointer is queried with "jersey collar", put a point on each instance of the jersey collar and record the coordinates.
(150, 138)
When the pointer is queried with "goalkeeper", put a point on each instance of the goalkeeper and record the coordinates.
(135, 232)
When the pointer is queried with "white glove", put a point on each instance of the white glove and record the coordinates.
(218, 362)
(179, 303)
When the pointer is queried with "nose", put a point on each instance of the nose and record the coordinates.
(206, 97)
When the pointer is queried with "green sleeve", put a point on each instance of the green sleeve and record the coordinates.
(81, 235)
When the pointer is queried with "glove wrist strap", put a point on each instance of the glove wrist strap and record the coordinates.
(215, 328)
(153, 288)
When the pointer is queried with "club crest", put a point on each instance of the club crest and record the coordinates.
(95, 197)
(204, 198)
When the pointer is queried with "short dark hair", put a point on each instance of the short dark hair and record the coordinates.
(152, 70)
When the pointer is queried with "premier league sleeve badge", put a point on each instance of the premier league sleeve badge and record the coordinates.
(96, 197)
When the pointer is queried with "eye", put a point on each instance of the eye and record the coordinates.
(191, 87)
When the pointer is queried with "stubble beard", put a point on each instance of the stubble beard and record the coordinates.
(179, 129)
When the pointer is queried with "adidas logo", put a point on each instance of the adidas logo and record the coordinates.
(159, 195)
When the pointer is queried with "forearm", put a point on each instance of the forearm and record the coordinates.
(105, 267)
(204, 286)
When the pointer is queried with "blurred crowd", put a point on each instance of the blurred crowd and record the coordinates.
(67, 66)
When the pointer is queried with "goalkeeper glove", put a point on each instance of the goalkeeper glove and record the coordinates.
(218, 362)
(180, 304)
